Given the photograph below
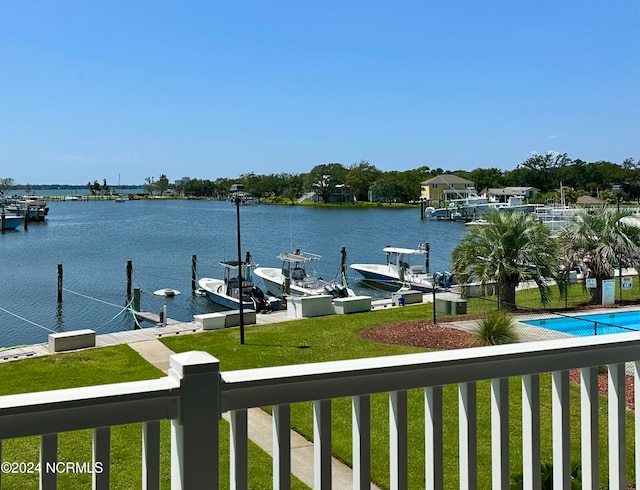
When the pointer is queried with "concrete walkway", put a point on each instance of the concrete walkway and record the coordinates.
(260, 427)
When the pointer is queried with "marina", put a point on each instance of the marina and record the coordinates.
(94, 240)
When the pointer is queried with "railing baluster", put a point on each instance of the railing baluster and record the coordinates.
(589, 427)
(281, 446)
(361, 436)
(434, 461)
(468, 436)
(151, 455)
(500, 433)
(398, 449)
(321, 444)
(561, 429)
(531, 430)
(238, 450)
(617, 437)
(101, 457)
(48, 459)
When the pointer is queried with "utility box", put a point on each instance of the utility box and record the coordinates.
(352, 304)
(451, 306)
(309, 306)
(407, 297)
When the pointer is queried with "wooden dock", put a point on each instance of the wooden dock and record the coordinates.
(173, 327)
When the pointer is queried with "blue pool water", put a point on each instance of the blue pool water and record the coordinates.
(585, 325)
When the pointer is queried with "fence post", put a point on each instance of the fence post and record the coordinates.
(195, 455)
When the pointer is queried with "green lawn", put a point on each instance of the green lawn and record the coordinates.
(301, 341)
(95, 367)
(336, 337)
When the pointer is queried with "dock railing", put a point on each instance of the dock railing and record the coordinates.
(196, 394)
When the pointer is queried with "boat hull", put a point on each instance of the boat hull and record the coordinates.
(214, 289)
(12, 222)
(274, 282)
(380, 273)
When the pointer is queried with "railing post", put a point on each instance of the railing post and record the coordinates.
(617, 435)
(531, 430)
(589, 447)
(500, 433)
(561, 422)
(195, 455)
(322, 444)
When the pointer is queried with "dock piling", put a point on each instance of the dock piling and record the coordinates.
(194, 273)
(129, 277)
(59, 283)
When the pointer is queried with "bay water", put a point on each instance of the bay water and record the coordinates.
(93, 240)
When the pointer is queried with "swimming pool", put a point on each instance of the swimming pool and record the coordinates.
(586, 325)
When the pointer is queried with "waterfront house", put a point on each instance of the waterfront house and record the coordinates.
(503, 194)
(442, 188)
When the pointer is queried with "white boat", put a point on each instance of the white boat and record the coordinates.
(225, 292)
(295, 277)
(403, 270)
(167, 292)
(475, 207)
(11, 221)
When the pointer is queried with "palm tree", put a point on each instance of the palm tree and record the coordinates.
(600, 240)
(509, 248)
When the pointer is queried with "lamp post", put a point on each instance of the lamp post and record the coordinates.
(236, 189)
(618, 198)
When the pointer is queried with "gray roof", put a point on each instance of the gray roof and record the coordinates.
(446, 179)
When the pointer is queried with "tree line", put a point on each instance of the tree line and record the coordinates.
(546, 172)
(363, 181)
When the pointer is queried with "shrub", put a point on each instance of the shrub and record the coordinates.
(495, 329)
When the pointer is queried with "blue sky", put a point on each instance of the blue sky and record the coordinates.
(208, 89)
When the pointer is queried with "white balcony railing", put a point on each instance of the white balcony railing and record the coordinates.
(196, 394)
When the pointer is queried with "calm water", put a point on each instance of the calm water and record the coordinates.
(94, 240)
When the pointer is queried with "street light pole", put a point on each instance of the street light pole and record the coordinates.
(619, 258)
(237, 188)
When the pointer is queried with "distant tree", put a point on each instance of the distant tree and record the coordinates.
(105, 187)
(323, 178)
(360, 177)
(294, 188)
(486, 177)
(28, 189)
(94, 187)
(6, 183)
(163, 184)
(149, 185)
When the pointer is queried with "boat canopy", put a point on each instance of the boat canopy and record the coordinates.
(407, 251)
(298, 257)
(233, 264)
